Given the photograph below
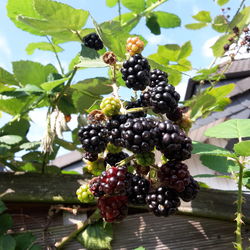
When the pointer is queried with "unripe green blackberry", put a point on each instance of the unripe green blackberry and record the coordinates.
(84, 195)
(113, 149)
(145, 159)
(95, 167)
(110, 106)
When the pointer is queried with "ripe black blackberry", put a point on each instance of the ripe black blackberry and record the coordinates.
(95, 187)
(113, 209)
(190, 191)
(137, 136)
(136, 72)
(176, 115)
(172, 141)
(163, 201)
(174, 175)
(93, 41)
(113, 159)
(138, 189)
(157, 76)
(135, 104)
(145, 98)
(90, 156)
(94, 138)
(164, 98)
(114, 181)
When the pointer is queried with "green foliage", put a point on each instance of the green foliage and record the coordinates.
(167, 20)
(203, 16)
(111, 3)
(195, 26)
(97, 236)
(135, 6)
(2, 207)
(6, 223)
(7, 242)
(30, 49)
(220, 24)
(222, 2)
(153, 25)
(242, 148)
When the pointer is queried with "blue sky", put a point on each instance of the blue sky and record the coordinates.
(13, 41)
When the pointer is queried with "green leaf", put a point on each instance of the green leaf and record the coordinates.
(128, 20)
(195, 26)
(24, 240)
(140, 248)
(65, 144)
(242, 19)
(167, 20)
(7, 78)
(242, 148)
(10, 139)
(48, 86)
(169, 51)
(28, 72)
(220, 24)
(136, 6)
(30, 89)
(111, 3)
(6, 223)
(97, 236)
(186, 50)
(19, 127)
(74, 62)
(42, 46)
(208, 149)
(61, 14)
(218, 163)
(203, 16)
(25, 8)
(153, 25)
(35, 247)
(218, 47)
(205, 74)
(30, 145)
(70, 172)
(2, 207)
(222, 2)
(7, 242)
(235, 128)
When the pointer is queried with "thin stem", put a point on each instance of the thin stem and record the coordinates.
(56, 54)
(119, 11)
(125, 161)
(78, 35)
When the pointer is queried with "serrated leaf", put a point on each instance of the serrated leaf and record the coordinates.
(136, 6)
(242, 148)
(222, 2)
(167, 20)
(169, 51)
(6, 223)
(30, 145)
(218, 163)
(208, 149)
(203, 16)
(2, 207)
(29, 72)
(186, 50)
(30, 49)
(235, 128)
(153, 25)
(7, 242)
(61, 14)
(48, 86)
(7, 78)
(24, 240)
(111, 3)
(218, 47)
(220, 24)
(10, 139)
(97, 236)
(19, 127)
(195, 26)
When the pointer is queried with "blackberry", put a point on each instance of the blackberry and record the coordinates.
(137, 136)
(113, 209)
(93, 138)
(172, 141)
(113, 181)
(134, 45)
(164, 98)
(90, 156)
(110, 106)
(136, 72)
(113, 159)
(135, 104)
(84, 195)
(176, 115)
(93, 41)
(145, 98)
(190, 191)
(163, 201)
(138, 189)
(142, 170)
(157, 76)
(174, 175)
(95, 187)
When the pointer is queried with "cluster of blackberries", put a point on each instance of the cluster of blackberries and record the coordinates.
(93, 41)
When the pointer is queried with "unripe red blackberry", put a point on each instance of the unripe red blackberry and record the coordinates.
(93, 138)
(137, 136)
(134, 45)
(93, 41)
(113, 209)
(157, 76)
(164, 98)
(172, 141)
(113, 159)
(145, 159)
(136, 72)
(95, 187)
(110, 106)
(84, 194)
(90, 156)
(138, 189)
(113, 181)
(191, 191)
(174, 175)
(163, 201)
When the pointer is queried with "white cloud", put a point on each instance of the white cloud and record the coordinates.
(206, 50)
(4, 47)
